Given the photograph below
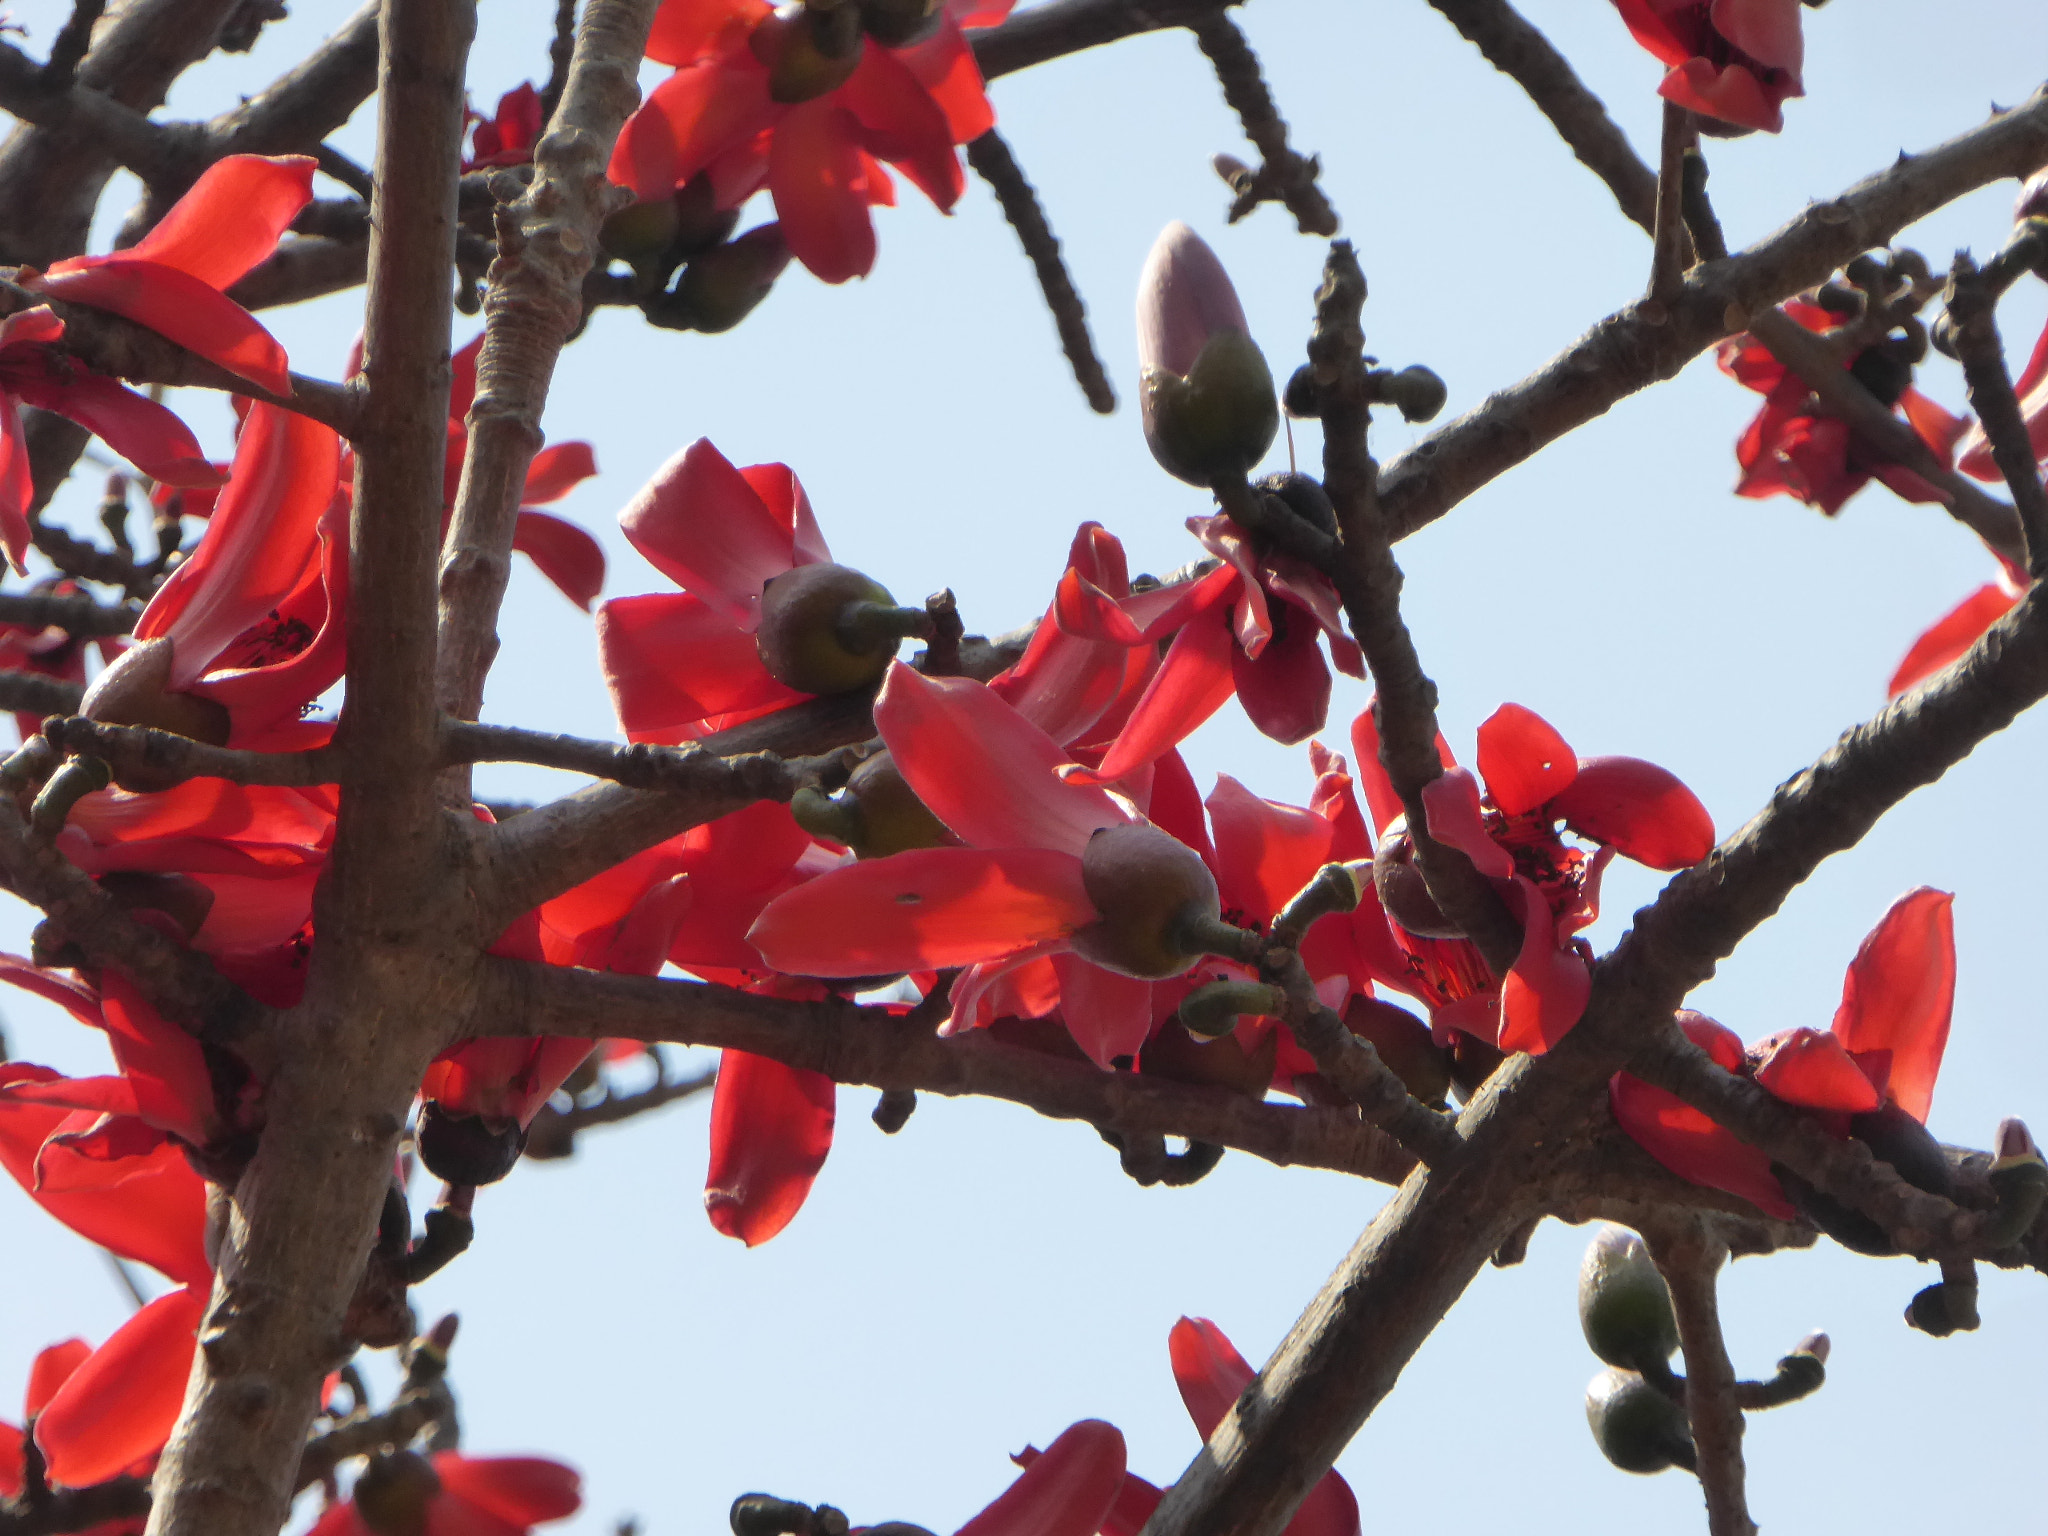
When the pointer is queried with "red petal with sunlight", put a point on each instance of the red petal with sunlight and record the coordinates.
(983, 769)
(1265, 852)
(258, 545)
(52, 1368)
(144, 433)
(816, 175)
(1134, 1505)
(1952, 635)
(1067, 1491)
(231, 219)
(1108, 1015)
(525, 1490)
(1695, 1148)
(899, 122)
(1805, 1067)
(562, 552)
(1642, 811)
(173, 1086)
(557, 470)
(1523, 759)
(180, 308)
(686, 30)
(1285, 689)
(1545, 992)
(925, 910)
(1899, 993)
(118, 1407)
(703, 525)
(673, 664)
(1209, 1371)
(1457, 818)
(771, 1127)
(1190, 686)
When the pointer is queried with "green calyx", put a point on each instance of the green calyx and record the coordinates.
(829, 629)
(877, 814)
(1220, 419)
(1636, 1426)
(1159, 905)
(1624, 1305)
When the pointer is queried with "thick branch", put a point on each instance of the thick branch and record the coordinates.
(1640, 345)
(545, 244)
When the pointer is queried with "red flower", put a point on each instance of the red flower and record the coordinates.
(138, 1197)
(682, 664)
(753, 101)
(1885, 1046)
(34, 372)
(1015, 894)
(509, 137)
(771, 1130)
(1792, 449)
(1211, 1375)
(1733, 60)
(1534, 782)
(450, 1494)
(174, 280)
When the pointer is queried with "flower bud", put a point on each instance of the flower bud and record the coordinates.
(828, 629)
(877, 814)
(467, 1149)
(641, 232)
(1156, 897)
(395, 1492)
(1624, 1305)
(1637, 1427)
(2019, 1178)
(1206, 396)
(721, 286)
(700, 222)
(1304, 496)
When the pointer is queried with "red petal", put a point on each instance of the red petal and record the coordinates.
(2032, 389)
(983, 769)
(1899, 993)
(231, 219)
(1545, 992)
(685, 30)
(1732, 94)
(1135, 1502)
(557, 470)
(673, 665)
(1805, 1067)
(144, 433)
(258, 545)
(1380, 798)
(1523, 759)
(1190, 686)
(900, 123)
(1285, 690)
(1952, 635)
(1265, 851)
(1176, 806)
(771, 1126)
(1209, 1371)
(705, 527)
(173, 1086)
(1695, 1148)
(52, 1368)
(1068, 1491)
(181, 308)
(945, 65)
(524, 1490)
(562, 552)
(1766, 30)
(819, 184)
(1451, 801)
(118, 1407)
(925, 910)
(1641, 810)
(1108, 1015)
(17, 486)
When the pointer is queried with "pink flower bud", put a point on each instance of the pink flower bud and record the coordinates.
(1206, 396)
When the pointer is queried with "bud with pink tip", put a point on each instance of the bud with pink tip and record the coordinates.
(1206, 396)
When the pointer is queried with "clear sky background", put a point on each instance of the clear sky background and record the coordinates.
(986, 1277)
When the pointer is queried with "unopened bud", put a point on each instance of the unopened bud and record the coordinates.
(1156, 897)
(1206, 395)
(1637, 1427)
(1416, 392)
(1624, 1305)
(721, 287)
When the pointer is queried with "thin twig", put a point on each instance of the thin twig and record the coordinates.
(1973, 332)
(561, 49)
(164, 758)
(70, 43)
(74, 612)
(640, 765)
(553, 1131)
(992, 161)
(1667, 237)
(1285, 177)
(1041, 33)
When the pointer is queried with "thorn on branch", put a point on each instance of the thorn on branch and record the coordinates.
(992, 161)
(1285, 177)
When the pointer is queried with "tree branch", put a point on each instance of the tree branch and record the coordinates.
(164, 757)
(1973, 333)
(1637, 346)
(1689, 1259)
(546, 241)
(1041, 33)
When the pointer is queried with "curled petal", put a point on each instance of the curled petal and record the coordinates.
(1642, 811)
(144, 433)
(771, 1128)
(1190, 686)
(1545, 991)
(674, 666)
(1898, 996)
(1523, 759)
(1285, 689)
(1693, 1146)
(1069, 1490)
(1265, 852)
(703, 524)
(900, 122)
(1731, 93)
(1209, 1371)
(1108, 1015)
(983, 769)
(231, 219)
(556, 471)
(181, 308)
(929, 909)
(1805, 1067)
(1451, 801)
(564, 553)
